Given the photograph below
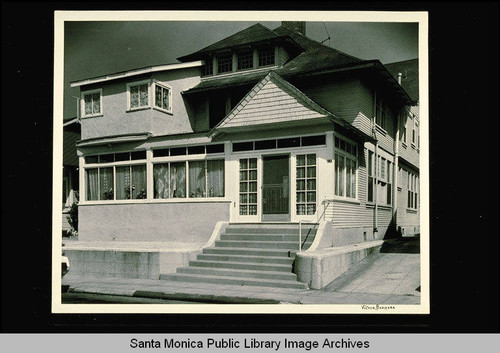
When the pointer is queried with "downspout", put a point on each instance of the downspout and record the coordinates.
(375, 167)
(396, 162)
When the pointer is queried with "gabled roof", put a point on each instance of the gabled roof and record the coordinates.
(409, 78)
(275, 101)
(252, 34)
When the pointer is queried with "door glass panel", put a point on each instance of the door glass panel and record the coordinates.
(275, 185)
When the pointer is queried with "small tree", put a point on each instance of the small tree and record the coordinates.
(73, 218)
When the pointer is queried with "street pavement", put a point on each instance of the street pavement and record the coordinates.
(391, 277)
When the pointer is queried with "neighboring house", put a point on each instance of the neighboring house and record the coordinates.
(263, 126)
(71, 135)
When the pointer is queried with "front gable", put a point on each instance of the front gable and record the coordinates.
(272, 101)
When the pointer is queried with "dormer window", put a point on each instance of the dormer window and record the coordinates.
(245, 60)
(208, 68)
(138, 95)
(225, 64)
(91, 103)
(266, 57)
(163, 97)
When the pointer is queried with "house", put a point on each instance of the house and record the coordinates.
(71, 134)
(224, 166)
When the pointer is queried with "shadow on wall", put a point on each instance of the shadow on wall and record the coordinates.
(395, 243)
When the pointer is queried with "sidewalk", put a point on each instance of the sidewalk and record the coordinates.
(385, 278)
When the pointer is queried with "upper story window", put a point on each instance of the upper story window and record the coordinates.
(92, 103)
(138, 95)
(208, 68)
(245, 60)
(381, 114)
(163, 97)
(225, 64)
(266, 57)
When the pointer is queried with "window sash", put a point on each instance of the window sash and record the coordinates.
(138, 95)
(162, 97)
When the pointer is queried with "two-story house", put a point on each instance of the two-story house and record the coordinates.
(245, 139)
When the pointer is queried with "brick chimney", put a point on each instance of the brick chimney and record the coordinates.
(295, 26)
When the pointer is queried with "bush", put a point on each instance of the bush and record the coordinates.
(73, 218)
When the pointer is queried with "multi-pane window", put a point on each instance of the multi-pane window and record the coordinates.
(224, 64)
(248, 186)
(205, 179)
(163, 97)
(116, 180)
(208, 68)
(345, 168)
(138, 95)
(412, 191)
(266, 57)
(384, 170)
(381, 114)
(91, 103)
(245, 60)
(306, 184)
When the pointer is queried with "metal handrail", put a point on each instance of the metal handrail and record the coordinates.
(327, 201)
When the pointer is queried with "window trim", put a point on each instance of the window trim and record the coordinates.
(138, 83)
(165, 86)
(82, 103)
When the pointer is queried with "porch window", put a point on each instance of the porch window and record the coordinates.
(306, 184)
(169, 180)
(91, 103)
(248, 186)
(138, 95)
(345, 168)
(131, 182)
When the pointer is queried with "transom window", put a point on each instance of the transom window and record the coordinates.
(91, 103)
(138, 95)
(288, 142)
(163, 97)
(266, 57)
(225, 64)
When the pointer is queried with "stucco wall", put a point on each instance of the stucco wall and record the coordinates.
(116, 120)
(172, 222)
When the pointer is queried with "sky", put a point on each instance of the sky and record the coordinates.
(96, 48)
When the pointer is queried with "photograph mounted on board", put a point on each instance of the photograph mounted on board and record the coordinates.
(253, 163)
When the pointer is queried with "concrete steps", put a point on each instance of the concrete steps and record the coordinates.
(249, 254)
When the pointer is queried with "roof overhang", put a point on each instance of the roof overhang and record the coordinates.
(110, 140)
(131, 73)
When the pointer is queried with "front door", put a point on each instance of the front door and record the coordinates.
(276, 188)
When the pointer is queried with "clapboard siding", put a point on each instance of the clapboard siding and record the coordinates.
(364, 119)
(283, 56)
(340, 96)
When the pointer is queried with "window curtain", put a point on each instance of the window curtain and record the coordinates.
(123, 183)
(197, 179)
(92, 185)
(144, 95)
(161, 181)
(106, 183)
(215, 176)
(178, 179)
(139, 181)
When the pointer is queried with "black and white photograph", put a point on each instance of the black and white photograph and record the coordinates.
(274, 163)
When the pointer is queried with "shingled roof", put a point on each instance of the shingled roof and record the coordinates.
(252, 34)
(409, 78)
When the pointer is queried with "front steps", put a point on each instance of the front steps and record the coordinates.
(251, 255)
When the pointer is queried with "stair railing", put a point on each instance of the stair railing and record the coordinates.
(325, 203)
